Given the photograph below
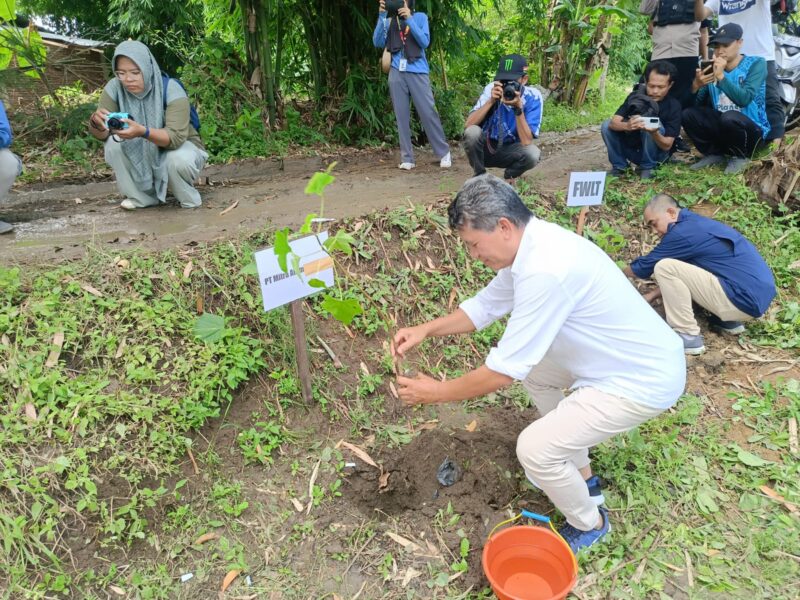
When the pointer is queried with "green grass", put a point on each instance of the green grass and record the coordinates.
(94, 441)
(561, 117)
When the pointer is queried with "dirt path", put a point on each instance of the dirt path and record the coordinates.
(56, 224)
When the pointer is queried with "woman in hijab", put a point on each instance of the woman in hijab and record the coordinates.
(156, 149)
(406, 35)
(10, 164)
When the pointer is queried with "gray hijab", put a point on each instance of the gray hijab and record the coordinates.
(148, 170)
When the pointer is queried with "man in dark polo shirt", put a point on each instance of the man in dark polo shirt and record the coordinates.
(704, 261)
(631, 137)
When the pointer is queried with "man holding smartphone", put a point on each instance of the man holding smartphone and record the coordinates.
(756, 17)
(644, 128)
(729, 121)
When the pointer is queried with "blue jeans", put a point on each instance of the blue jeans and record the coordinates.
(646, 154)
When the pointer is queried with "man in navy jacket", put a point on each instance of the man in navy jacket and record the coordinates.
(703, 261)
(10, 165)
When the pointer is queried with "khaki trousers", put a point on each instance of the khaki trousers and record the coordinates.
(681, 284)
(553, 449)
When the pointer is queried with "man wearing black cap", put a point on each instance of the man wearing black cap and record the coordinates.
(755, 17)
(500, 130)
(730, 118)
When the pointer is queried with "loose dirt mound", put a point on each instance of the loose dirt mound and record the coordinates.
(489, 484)
(776, 177)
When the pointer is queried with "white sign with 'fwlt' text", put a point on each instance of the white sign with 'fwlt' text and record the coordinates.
(586, 188)
(279, 288)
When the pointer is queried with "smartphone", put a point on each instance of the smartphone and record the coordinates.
(705, 65)
(651, 123)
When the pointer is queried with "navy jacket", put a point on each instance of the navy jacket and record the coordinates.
(720, 250)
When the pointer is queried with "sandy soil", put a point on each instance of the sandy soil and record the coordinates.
(58, 222)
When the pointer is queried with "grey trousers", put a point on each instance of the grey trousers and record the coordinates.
(10, 168)
(183, 167)
(514, 158)
(416, 87)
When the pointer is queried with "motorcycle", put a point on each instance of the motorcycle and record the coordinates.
(787, 65)
(787, 62)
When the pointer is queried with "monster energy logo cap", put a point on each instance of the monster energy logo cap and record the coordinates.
(512, 66)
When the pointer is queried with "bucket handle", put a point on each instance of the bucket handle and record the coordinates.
(542, 519)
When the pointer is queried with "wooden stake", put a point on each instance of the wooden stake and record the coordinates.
(581, 220)
(300, 349)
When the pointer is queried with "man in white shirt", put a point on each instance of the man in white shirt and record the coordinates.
(575, 322)
(755, 18)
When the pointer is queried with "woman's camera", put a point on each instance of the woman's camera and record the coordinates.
(392, 6)
(510, 89)
(114, 121)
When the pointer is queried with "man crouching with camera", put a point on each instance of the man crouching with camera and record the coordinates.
(644, 128)
(500, 130)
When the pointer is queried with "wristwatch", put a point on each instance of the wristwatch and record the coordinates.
(517, 111)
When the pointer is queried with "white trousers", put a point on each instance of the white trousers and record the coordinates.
(10, 168)
(183, 167)
(554, 448)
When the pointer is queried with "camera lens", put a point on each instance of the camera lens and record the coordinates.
(115, 123)
(510, 89)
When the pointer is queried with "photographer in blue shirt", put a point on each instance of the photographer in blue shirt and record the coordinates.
(404, 33)
(10, 164)
(703, 261)
(500, 130)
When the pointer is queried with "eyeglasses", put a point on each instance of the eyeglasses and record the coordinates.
(128, 74)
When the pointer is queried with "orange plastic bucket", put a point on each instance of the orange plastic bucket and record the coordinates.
(529, 563)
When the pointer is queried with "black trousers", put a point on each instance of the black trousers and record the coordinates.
(514, 158)
(775, 112)
(730, 133)
(681, 88)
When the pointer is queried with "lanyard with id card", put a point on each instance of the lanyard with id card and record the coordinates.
(403, 66)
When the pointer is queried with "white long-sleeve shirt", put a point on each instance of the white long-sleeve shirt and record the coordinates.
(567, 299)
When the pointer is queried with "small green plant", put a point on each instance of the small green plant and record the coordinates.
(259, 441)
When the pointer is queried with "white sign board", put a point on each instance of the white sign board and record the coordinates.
(279, 288)
(586, 188)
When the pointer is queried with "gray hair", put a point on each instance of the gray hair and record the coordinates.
(483, 201)
(661, 202)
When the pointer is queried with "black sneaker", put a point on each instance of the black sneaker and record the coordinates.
(615, 172)
(6, 227)
(680, 145)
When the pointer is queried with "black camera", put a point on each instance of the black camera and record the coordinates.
(510, 89)
(392, 6)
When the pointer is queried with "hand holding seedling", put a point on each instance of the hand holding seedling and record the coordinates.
(419, 390)
(407, 338)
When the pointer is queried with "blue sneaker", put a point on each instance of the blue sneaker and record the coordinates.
(578, 540)
(595, 485)
(729, 327)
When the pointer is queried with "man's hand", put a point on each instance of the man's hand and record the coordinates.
(516, 102)
(404, 12)
(652, 295)
(497, 90)
(134, 130)
(719, 68)
(702, 79)
(406, 338)
(381, 6)
(636, 123)
(419, 390)
(98, 119)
